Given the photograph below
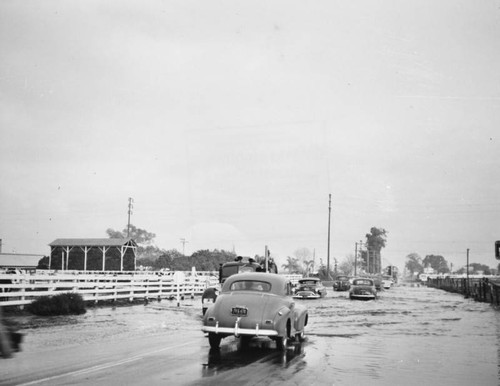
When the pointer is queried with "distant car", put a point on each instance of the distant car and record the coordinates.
(341, 283)
(255, 304)
(363, 288)
(387, 282)
(309, 288)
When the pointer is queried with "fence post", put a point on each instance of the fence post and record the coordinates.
(178, 278)
(131, 296)
(5, 347)
(160, 289)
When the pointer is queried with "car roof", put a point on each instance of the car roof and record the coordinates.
(309, 278)
(276, 281)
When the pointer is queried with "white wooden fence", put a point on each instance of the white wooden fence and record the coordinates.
(22, 289)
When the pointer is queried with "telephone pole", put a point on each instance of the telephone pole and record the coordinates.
(130, 206)
(356, 257)
(328, 250)
(467, 267)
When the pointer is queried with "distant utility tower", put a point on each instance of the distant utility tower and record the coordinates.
(183, 241)
(130, 207)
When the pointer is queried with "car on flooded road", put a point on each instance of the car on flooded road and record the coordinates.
(309, 288)
(387, 282)
(363, 288)
(225, 270)
(252, 305)
(341, 283)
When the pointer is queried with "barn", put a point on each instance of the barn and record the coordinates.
(22, 261)
(93, 254)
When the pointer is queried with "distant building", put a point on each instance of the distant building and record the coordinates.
(93, 254)
(19, 260)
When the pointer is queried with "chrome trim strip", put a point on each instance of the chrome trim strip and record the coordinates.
(241, 331)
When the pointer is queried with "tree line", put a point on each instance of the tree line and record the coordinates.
(415, 265)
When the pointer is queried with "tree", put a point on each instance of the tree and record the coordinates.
(43, 263)
(202, 260)
(475, 268)
(146, 250)
(302, 254)
(414, 264)
(437, 262)
(346, 266)
(377, 238)
(375, 241)
(292, 265)
(304, 261)
(308, 266)
(140, 236)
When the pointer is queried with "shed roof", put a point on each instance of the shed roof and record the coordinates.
(19, 260)
(91, 242)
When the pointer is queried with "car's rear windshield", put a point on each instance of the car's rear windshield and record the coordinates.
(363, 282)
(309, 282)
(230, 270)
(250, 285)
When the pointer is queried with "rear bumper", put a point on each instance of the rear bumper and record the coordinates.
(306, 295)
(363, 296)
(237, 331)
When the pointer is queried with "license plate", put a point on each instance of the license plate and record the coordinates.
(239, 311)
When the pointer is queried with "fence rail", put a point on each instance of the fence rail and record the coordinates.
(482, 289)
(22, 289)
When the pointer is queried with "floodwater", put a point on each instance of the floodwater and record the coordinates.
(408, 336)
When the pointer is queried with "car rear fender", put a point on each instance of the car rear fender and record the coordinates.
(301, 318)
(283, 315)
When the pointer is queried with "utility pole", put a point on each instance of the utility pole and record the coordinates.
(130, 206)
(355, 257)
(368, 270)
(266, 255)
(183, 241)
(328, 250)
(467, 268)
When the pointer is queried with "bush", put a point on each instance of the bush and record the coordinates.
(62, 304)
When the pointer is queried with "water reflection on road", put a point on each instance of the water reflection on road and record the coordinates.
(232, 355)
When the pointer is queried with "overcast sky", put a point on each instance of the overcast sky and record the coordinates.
(230, 122)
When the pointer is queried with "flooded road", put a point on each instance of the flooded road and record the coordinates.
(408, 336)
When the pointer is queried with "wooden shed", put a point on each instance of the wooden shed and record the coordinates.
(93, 254)
(19, 260)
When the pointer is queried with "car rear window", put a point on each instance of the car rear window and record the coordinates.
(363, 282)
(250, 285)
